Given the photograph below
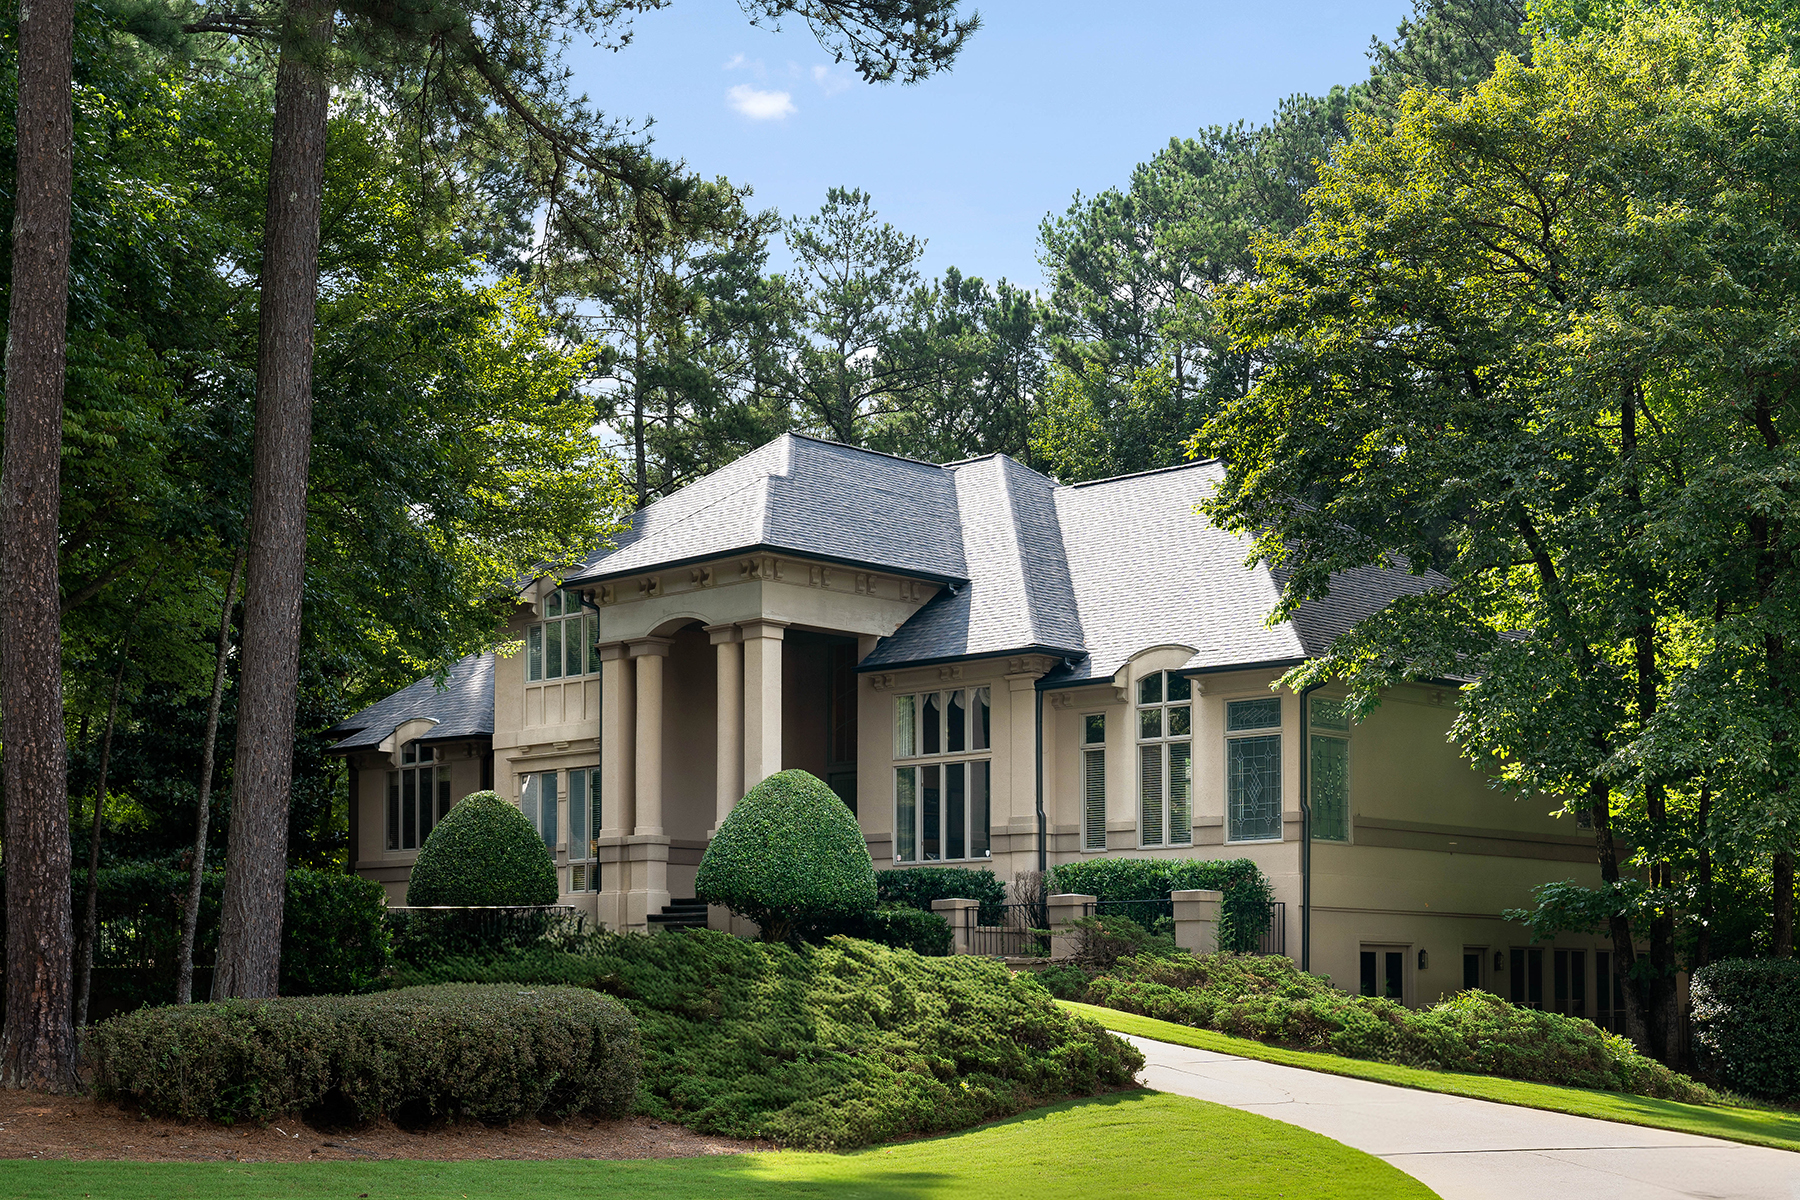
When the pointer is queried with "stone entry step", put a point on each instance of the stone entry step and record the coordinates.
(679, 914)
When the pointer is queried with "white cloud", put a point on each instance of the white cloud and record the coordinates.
(830, 82)
(759, 105)
(737, 60)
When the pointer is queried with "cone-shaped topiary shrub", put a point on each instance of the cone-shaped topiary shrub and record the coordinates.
(789, 853)
(483, 852)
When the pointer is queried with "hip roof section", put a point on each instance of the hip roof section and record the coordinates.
(462, 708)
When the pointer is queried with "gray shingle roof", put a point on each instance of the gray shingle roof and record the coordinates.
(463, 707)
(805, 496)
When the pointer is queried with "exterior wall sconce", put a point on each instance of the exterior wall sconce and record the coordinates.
(1424, 960)
(1499, 962)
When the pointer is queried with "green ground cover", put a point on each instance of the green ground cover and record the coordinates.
(1139, 1145)
(1755, 1125)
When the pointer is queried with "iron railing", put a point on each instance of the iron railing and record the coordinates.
(421, 934)
(1020, 933)
(1274, 938)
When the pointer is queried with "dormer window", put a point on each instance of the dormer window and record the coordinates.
(562, 646)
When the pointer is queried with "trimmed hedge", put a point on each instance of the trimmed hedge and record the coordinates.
(894, 926)
(417, 1055)
(484, 852)
(917, 887)
(830, 1046)
(1243, 915)
(1747, 1024)
(1271, 1000)
(333, 939)
(789, 854)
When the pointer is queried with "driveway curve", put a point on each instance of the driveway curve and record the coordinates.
(1476, 1149)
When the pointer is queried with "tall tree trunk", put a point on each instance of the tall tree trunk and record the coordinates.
(37, 1045)
(1783, 908)
(90, 921)
(190, 910)
(249, 962)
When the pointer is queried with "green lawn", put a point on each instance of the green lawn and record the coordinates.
(1758, 1126)
(1143, 1145)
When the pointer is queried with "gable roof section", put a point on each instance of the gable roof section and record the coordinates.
(463, 707)
(1019, 596)
(803, 496)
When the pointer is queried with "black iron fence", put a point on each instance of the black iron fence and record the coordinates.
(1274, 938)
(1020, 933)
(422, 934)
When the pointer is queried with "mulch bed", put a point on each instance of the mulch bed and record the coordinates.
(36, 1125)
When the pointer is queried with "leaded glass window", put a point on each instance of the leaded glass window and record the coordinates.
(1328, 770)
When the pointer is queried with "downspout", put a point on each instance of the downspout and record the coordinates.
(1306, 826)
(1043, 826)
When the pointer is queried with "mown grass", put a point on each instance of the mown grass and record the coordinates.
(1754, 1125)
(1140, 1145)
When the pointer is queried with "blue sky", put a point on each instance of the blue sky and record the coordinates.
(1047, 98)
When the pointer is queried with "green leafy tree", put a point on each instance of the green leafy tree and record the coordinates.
(790, 854)
(1444, 45)
(1504, 348)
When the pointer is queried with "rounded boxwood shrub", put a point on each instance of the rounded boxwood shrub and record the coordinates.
(790, 853)
(1747, 1024)
(483, 853)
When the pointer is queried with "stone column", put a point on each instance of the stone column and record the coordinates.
(646, 851)
(618, 721)
(762, 699)
(648, 655)
(961, 915)
(730, 757)
(1064, 911)
(1197, 919)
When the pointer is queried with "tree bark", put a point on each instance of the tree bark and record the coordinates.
(1783, 907)
(90, 922)
(249, 961)
(190, 910)
(37, 1045)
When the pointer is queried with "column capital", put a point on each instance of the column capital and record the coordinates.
(721, 634)
(764, 627)
(610, 651)
(645, 647)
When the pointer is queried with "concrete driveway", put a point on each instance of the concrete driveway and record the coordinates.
(1476, 1149)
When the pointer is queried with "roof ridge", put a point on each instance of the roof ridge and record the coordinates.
(1186, 466)
(859, 449)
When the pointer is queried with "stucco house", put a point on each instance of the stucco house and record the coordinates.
(991, 669)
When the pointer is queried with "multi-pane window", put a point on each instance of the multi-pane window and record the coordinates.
(1093, 781)
(941, 805)
(563, 645)
(537, 800)
(584, 825)
(1253, 770)
(1165, 726)
(1328, 772)
(418, 797)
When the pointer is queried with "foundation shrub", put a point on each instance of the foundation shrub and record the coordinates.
(417, 1055)
(1747, 1024)
(1270, 1000)
(1065, 981)
(827, 1046)
(917, 887)
(1243, 911)
(790, 854)
(484, 852)
(894, 926)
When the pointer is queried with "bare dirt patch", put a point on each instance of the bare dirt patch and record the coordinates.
(34, 1125)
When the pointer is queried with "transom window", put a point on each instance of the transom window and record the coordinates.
(1253, 770)
(942, 809)
(1093, 781)
(1328, 772)
(562, 646)
(418, 797)
(1165, 725)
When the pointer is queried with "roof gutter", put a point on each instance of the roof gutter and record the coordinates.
(1306, 825)
(600, 575)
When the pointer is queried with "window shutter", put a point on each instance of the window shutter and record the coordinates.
(1150, 795)
(1093, 799)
